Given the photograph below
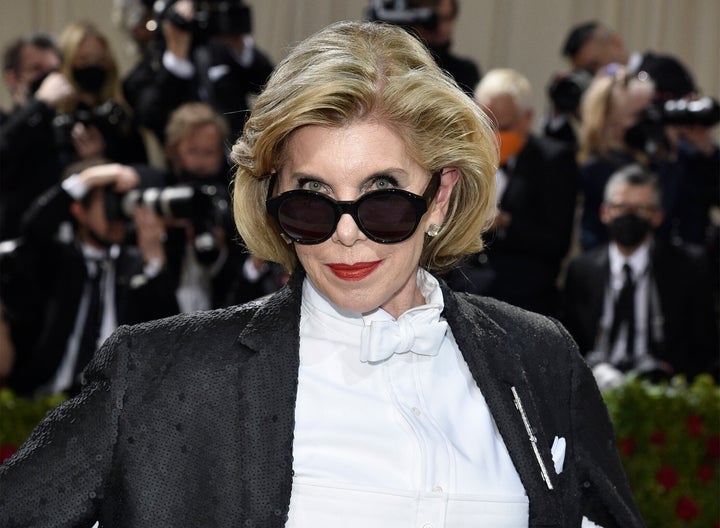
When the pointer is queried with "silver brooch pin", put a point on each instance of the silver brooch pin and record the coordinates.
(532, 437)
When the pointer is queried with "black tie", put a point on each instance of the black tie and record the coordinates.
(91, 329)
(625, 313)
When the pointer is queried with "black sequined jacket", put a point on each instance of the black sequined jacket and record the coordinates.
(188, 421)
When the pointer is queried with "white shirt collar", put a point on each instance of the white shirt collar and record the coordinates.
(427, 284)
(638, 260)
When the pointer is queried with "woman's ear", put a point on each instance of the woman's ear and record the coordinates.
(439, 206)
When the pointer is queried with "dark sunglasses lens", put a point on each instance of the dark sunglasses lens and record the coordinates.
(307, 218)
(388, 217)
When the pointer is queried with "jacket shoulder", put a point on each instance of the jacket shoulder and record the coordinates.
(520, 327)
(198, 325)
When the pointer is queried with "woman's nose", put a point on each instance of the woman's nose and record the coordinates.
(347, 231)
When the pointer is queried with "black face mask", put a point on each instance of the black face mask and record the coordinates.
(629, 230)
(90, 79)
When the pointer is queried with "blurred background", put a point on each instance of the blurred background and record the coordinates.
(522, 34)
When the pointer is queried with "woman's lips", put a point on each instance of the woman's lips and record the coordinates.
(354, 272)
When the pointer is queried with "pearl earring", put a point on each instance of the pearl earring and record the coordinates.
(433, 230)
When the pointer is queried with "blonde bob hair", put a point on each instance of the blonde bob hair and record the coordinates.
(356, 70)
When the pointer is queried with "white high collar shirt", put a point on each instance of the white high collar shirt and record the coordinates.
(408, 441)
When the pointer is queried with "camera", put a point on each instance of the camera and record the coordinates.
(704, 112)
(110, 118)
(212, 17)
(202, 203)
(205, 205)
(398, 13)
(648, 134)
(566, 90)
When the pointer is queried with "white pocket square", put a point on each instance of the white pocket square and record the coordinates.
(558, 453)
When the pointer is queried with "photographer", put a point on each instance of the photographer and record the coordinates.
(29, 162)
(209, 56)
(622, 123)
(433, 21)
(208, 264)
(95, 124)
(62, 299)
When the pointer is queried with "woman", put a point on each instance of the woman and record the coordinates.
(364, 392)
(612, 105)
(96, 124)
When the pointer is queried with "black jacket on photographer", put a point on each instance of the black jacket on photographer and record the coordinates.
(216, 77)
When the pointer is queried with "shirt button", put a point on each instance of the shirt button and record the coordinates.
(416, 412)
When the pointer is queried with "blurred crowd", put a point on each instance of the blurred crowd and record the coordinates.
(607, 218)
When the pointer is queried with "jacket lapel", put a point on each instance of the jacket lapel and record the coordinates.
(267, 392)
(498, 371)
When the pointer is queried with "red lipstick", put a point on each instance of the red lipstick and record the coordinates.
(354, 272)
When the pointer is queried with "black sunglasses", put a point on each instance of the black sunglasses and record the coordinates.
(387, 216)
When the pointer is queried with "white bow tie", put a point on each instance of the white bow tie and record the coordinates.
(421, 332)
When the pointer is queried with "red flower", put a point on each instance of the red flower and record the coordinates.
(627, 445)
(6, 451)
(667, 477)
(705, 473)
(686, 509)
(658, 438)
(713, 446)
(694, 425)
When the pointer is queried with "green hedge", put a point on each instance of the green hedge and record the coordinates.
(18, 417)
(668, 438)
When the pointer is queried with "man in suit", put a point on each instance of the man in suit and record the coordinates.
(536, 196)
(63, 298)
(667, 326)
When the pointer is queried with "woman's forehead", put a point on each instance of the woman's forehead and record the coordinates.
(364, 146)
